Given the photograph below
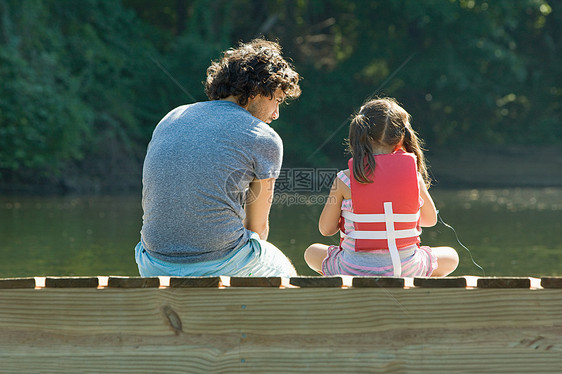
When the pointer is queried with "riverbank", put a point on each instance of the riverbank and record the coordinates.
(497, 166)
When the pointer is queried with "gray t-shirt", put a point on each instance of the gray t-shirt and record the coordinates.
(198, 166)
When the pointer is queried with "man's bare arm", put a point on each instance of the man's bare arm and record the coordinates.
(258, 205)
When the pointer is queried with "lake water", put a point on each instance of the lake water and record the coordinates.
(510, 232)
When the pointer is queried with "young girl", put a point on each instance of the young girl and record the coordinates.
(380, 203)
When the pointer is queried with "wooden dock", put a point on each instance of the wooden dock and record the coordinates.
(275, 325)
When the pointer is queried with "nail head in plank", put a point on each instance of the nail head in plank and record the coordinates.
(366, 282)
(551, 282)
(133, 282)
(7, 283)
(509, 282)
(449, 282)
(71, 282)
(255, 281)
(316, 281)
(195, 282)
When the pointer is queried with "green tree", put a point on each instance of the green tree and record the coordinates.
(42, 120)
(475, 71)
(85, 82)
(73, 74)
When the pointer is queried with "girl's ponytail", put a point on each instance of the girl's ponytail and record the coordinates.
(414, 145)
(362, 149)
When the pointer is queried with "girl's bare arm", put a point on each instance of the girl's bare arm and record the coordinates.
(330, 217)
(428, 212)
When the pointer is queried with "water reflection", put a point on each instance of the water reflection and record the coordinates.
(509, 231)
(68, 235)
(514, 199)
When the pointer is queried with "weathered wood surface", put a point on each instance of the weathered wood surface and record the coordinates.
(256, 282)
(494, 282)
(71, 282)
(248, 329)
(132, 282)
(17, 283)
(317, 281)
(196, 282)
(449, 282)
(378, 282)
(551, 282)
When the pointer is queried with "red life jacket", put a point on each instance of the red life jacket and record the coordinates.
(386, 212)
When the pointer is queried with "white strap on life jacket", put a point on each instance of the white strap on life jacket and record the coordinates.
(369, 218)
(390, 234)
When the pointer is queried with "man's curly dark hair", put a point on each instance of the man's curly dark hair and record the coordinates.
(254, 68)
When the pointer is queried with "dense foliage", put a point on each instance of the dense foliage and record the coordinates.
(83, 83)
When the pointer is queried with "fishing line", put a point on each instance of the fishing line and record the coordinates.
(458, 240)
(161, 67)
(375, 92)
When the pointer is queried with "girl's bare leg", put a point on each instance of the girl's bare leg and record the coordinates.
(447, 261)
(314, 255)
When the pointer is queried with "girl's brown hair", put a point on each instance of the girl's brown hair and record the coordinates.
(254, 68)
(385, 122)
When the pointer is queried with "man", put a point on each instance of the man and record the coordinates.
(209, 172)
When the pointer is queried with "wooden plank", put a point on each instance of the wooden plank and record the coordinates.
(71, 282)
(293, 330)
(188, 357)
(361, 282)
(501, 282)
(316, 281)
(133, 282)
(448, 282)
(196, 282)
(551, 282)
(256, 281)
(17, 283)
